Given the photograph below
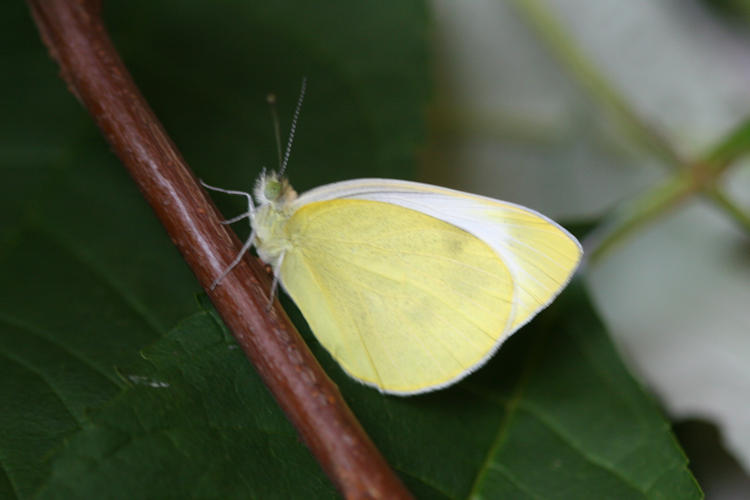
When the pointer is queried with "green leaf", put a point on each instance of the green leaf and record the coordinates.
(553, 415)
(115, 383)
(194, 421)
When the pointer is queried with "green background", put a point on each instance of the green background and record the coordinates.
(117, 380)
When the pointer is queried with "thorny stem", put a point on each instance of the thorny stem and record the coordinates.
(76, 38)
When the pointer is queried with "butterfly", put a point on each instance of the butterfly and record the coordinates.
(410, 287)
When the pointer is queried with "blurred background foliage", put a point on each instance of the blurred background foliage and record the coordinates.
(626, 119)
(634, 114)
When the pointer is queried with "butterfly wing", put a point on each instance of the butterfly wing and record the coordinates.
(540, 255)
(402, 300)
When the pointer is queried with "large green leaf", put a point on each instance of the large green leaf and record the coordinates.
(555, 415)
(116, 383)
(194, 420)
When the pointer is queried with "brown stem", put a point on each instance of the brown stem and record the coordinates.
(75, 35)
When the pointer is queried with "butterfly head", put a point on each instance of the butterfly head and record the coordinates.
(274, 189)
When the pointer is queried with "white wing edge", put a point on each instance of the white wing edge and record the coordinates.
(387, 190)
(449, 205)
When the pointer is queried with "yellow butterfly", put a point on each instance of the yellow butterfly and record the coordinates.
(410, 287)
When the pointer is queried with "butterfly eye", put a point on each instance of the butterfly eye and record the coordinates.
(272, 189)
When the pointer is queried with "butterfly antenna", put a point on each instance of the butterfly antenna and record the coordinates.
(294, 127)
(271, 99)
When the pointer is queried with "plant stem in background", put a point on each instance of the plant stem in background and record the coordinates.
(573, 59)
(687, 178)
(702, 179)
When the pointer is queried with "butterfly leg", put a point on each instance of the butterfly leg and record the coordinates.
(275, 284)
(250, 205)
(236, 260)
(235, 219)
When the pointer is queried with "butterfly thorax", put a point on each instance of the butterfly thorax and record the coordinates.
(275, 197)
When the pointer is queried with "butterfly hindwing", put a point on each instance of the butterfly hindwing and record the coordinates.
(402, 300)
